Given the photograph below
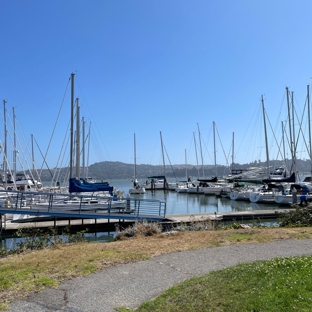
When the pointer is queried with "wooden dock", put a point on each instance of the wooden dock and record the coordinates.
(109, 225)
(229, 216)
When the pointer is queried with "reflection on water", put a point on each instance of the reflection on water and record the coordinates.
(183, 203)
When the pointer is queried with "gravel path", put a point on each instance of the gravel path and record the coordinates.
(130, 284)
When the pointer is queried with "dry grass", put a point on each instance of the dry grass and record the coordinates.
(33, 271)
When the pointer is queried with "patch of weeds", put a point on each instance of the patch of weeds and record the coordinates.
(88, 269)
(143, 228)
(4, 307)
(241, 237)
(46, 281)
(202, 224)
(301, 216)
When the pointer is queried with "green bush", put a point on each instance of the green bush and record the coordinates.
(301, 216)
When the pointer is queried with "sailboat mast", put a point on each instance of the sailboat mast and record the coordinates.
(71, 127)
(134, 158)
(88, 155)
(185, 165)
(77, 139)
(83, 148)
(32, 153)
(309, 122)
(266, 138)
(14, 147)
(5, 177)
(232, 152)
(201, 151)
(214, 147)
(163, 155)
(283, 140)
(290, 131)
(294, 137)
(196, 155)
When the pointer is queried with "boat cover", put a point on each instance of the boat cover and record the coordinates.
(214, 179)
(291, 179)
(157, 177)
(79, 186)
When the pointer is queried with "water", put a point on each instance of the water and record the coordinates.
(183, 203)
(11, 243)
(177, 203)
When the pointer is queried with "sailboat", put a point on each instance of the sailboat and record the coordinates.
(158, 182)
(77, 185)
(137, 188)
(183, 186)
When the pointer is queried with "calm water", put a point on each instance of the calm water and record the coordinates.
(183, 203)
(177, 203)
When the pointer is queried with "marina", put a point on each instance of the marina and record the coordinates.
(101, 216)
(160, 206)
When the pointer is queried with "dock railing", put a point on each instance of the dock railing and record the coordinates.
(40, 203)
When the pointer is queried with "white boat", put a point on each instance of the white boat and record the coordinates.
(291, 195)
(262, 197)
(241, 193)
(195, 189)
(217, 188)
(156, 183)
(181, 188)
(137, 188)
(265, 194)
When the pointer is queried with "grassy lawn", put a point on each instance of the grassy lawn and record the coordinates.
(33, 271)
(282, 284)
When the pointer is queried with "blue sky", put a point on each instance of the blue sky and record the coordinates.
(147, 67)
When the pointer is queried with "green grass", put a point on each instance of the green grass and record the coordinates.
(241, 236)
(282, 284)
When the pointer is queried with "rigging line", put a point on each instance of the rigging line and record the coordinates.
(62, 161)
(170, 163)
(256, 111)
(58, 164)
(206, 150)
(88, 154)
(58, 115)
(300, 130)
(29, 154)
(279, 151)
(288, 140)
(43, 158)
(98, 132)
(282, 108)
(15, 151)
(221, 145)
(8, 166)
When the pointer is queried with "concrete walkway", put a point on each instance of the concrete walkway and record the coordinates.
(130, 284)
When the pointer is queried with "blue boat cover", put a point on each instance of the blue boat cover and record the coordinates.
(79, 186)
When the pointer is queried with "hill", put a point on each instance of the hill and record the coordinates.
(118, 170)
